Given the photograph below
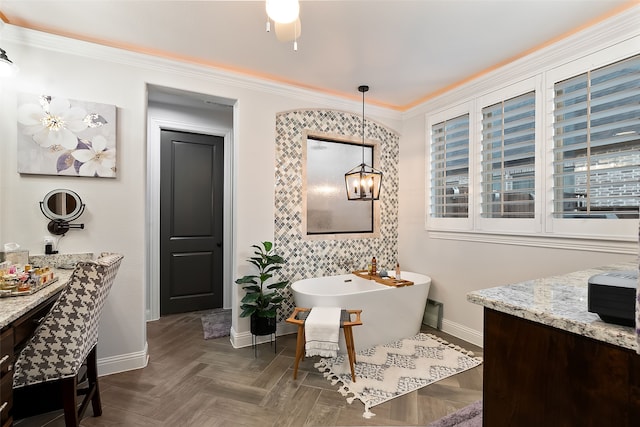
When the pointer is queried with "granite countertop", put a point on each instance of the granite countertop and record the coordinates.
(60, 260)
(560, 302)
(11, 308)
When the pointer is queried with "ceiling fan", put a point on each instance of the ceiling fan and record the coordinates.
(286, 17)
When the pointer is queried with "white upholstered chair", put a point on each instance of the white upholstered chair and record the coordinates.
(67, 337)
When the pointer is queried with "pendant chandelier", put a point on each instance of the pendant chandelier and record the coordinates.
(364, 181)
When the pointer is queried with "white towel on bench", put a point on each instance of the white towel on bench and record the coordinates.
(321, 331)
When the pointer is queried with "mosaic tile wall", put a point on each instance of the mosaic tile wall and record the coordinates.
(316, 258)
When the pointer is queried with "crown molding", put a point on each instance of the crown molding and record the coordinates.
(610, 32)
(85, 49)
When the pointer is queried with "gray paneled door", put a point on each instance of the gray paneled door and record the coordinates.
(191, 206)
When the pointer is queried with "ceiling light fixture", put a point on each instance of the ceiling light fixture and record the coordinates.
(283, 11)
(286, 16)
(363, 182)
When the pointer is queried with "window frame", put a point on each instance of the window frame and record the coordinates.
(582, 227)
(511, 225)
(602, 235)
(450, 223)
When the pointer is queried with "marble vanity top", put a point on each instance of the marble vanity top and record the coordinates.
(60, 260)
(560, 302)
(11, 308)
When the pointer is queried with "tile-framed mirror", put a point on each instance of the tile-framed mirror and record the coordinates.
(326, 211)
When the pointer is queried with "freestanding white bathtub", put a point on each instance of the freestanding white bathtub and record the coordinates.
(388, 313)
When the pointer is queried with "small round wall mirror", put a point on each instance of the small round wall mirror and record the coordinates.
(62, 206)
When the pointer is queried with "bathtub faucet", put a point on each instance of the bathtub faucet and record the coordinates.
(346, 263)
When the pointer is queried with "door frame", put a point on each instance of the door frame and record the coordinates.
(154, 127)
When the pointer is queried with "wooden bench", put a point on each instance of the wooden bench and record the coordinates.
(298, 318)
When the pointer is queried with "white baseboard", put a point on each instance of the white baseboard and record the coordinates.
(462, 332)
(243, 339)
(123, 362)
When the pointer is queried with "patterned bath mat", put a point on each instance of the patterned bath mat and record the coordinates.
(391, 370)
(216, 323)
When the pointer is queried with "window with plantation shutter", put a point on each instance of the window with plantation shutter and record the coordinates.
(450, 168)
(546, 154)
(596, 155)
(508, 158)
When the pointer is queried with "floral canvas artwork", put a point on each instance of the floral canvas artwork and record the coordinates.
(59, 136)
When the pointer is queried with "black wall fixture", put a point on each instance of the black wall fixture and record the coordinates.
(61, 207)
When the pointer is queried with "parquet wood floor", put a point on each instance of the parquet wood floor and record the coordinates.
(190, 381)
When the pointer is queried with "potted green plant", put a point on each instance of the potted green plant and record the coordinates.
(261, 301)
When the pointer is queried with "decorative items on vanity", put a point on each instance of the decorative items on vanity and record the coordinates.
(22, 274)
(62, 266)
(24, 280)
(14, 254)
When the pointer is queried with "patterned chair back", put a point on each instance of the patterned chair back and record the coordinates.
(63, 340)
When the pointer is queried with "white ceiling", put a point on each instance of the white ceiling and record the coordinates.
(406, 51)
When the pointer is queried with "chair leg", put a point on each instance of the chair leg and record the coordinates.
(348, 338)
(73, 414)
(92, 377)
(70, 401)
(303, 351)
(352, 345)
(299, 350)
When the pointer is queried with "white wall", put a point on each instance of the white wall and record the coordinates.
(116, 208)
(460, 266)
(115, 214)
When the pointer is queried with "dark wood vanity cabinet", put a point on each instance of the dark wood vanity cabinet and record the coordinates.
(537, 375)
(6, 370)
